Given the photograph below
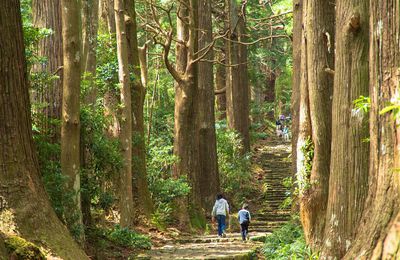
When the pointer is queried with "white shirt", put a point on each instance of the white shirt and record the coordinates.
(221, 207)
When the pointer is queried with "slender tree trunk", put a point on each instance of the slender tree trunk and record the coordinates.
(70, 127)
(304, 133)
(349, 157)
(47, 14)
(270, 87)
(144, 73)
(378, 234)
(140, 185)
(295, 99)
(220, 86)
(107, 13)
(21, 192)
(125, 180)
(319, 19)
(237, 91)
(90, 24)
(90, 16)
(208, 171)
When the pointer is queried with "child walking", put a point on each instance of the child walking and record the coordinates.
(244, 218)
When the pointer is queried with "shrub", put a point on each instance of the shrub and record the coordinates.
(234, 166)
(287, 243)
(127, 238)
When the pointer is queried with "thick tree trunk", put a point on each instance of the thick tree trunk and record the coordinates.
(139, 174)
(125, 178)
(22, 195)
(185, 138)
(208, 171)
(47, 14)
(237, 89)
(378, 234)
(349, 156)
(319, 20)
(70, 127)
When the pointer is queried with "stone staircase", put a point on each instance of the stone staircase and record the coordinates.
(272, 156)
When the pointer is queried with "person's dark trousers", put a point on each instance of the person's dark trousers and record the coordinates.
(244, 229)
(221, 224)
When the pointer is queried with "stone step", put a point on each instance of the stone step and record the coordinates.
(236, 250)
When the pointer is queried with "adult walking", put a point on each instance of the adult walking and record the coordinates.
(220, 211)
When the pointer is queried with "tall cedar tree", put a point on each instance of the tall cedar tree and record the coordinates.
(139, 174)
(237, 88)
(21, 189)
(319, 20)
(70, 120)
(125, 136)
(47, 14)
(378, 235)
(349, 155)
(208, 168)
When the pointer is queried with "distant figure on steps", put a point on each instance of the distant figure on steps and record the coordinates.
(244, 218)
(286, 133)
(220, 211)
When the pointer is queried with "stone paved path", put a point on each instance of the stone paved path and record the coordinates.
(271, 166)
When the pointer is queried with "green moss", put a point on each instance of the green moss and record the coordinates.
(21, 249)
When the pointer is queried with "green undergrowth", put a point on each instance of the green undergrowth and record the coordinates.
(119, 236)
(288, 242)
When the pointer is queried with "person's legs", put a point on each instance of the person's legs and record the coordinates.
(219, 220)
(222, 224)
(243, 231)
(247, 230)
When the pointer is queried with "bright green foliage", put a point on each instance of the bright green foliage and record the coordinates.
(287, 183)
(107, 63)
(362, 104)
(20, 249)
(287, 243)
(234, 166)
(103, 159)
(127, 238)
(303, 183)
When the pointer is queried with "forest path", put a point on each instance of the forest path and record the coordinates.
(270, 166)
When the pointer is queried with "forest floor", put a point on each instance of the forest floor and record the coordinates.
(270, 166)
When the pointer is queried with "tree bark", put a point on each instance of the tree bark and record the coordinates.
(378, 234)
(295, 99)
(208, 171)
(70, 127)
(319, 20)
(90, 24)
(125, 137)
(21, 192)
(237, 89)
(107, 13)
(185, 138)
(304, 133)
(139, 173)
(47, 14)
(220, 84)
(349, 153)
